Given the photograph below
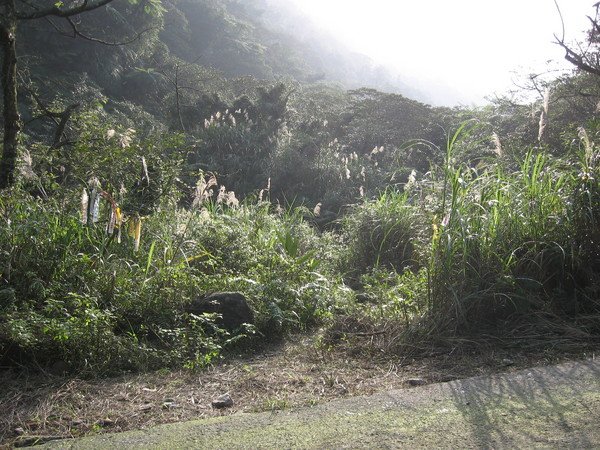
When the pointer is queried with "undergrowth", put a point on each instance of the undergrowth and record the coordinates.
(460, 252)
(72, 295)
(468, 252)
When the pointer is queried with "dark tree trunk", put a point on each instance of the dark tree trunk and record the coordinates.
(12, 125)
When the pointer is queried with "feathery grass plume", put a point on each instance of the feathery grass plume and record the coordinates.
(589, 158)
(497, 145)
(377, 150)
(584, 137)
(137, 233)
(361, 191)
(231, 200)
(126, 138)
(85, 204)
(267, 190)
(26, 166)
(317, 209)
(113, 214)
(412, 181)
(204, 189)
(144, 175)
(222, 195)
(544, 116)
(227, 198)
(120, 216)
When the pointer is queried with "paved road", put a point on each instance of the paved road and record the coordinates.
(543, 407)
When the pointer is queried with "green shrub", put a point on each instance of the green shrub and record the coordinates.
(387, 232)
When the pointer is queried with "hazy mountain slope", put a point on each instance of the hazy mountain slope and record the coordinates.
(217, 50)
(270, 39)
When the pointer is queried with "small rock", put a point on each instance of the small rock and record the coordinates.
(416, 382)
(223, 401)
(170, 405)
(105, 422)
(19, 431)
(146, 407)
(506, 362)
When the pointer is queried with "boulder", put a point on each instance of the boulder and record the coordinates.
(232, 306)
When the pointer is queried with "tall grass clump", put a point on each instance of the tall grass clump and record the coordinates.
(384, 260)
(499, 248)
(387, 232)
(507, 244)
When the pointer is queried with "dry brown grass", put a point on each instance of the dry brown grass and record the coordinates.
(298, 373)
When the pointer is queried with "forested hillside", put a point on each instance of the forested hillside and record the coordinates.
(170, 150)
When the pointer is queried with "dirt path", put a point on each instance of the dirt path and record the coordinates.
(555, 406)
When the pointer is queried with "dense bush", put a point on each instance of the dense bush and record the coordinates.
(71, 294)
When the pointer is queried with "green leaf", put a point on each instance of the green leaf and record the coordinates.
(150, 254)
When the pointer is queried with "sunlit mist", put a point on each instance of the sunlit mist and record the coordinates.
(469, 49)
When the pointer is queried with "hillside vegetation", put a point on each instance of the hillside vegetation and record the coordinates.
(214, 152)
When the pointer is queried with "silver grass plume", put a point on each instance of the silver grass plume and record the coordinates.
(544, 116)
(497, 145)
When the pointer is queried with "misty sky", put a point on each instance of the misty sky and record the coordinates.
(471, 46)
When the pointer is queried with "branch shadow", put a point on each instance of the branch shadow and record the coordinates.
(527, 406)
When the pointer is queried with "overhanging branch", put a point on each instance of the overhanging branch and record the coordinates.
(56, 11)
(77, 33)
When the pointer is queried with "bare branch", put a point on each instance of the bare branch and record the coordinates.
(561, 21)
(63, 12)
(60, 119)
(577, 60)
(65, 116)
(595, 25)
(57, 28)
(76, 33)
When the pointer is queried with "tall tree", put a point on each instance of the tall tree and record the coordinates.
(11, 13)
